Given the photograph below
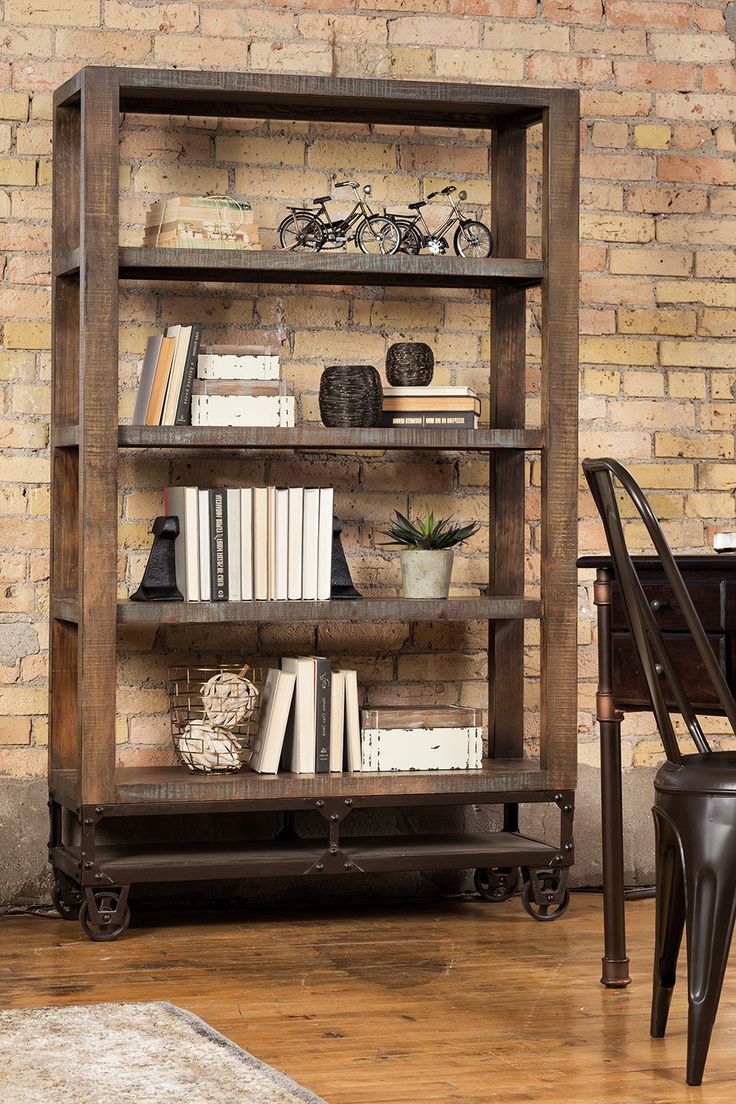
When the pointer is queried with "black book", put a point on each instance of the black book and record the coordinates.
(323, 704)
(218, 544)
(429, 419)
(184, 405)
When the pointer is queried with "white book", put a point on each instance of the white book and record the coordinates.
(260, 543)
(429, 392)
(246, 544)
(296, 511)
(337, 721)
(310, 543)
(271, 543)
(233, 545)
(405, 749)
(324, 544)
(176, 375)
(228, 366)
(183, 502)
(244, 410)
(153, 347)
(303, 714)
(276, 701)
(205, 585)
(282, 544)
(352, 720)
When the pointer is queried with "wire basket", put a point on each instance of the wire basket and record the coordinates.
(214, 715)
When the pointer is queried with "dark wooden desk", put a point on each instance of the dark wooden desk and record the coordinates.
(711, 581)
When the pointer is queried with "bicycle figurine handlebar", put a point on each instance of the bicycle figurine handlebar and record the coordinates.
(346, 184)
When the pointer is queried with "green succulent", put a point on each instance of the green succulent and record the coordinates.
(426, 533)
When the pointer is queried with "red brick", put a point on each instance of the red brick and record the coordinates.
(644, 13)
(661, 75)
(696, 170)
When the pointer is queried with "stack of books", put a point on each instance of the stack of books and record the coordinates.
(431, 407)
(438, 738)
(309, 721)
(241, 544)
(165, 391)
(200, 222)
(240, 385)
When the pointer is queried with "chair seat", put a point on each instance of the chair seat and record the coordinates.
(714, 772)
(416, 206)
(322, 199)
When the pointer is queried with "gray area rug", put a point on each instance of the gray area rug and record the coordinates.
(130, 1054)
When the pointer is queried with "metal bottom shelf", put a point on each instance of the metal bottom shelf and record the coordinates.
(127, 863)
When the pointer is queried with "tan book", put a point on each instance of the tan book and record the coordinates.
(160, 381)
(436, 405)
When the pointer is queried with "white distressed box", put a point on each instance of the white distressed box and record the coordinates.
(406, 749)
(243, 410)
(224, 366)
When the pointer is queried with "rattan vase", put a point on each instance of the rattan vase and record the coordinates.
(409, 364)
(350, 395)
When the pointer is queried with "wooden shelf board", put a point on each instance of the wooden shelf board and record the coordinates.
(136, 862)
(365, 609)
(180, 784)
(334, 99)
(328, 439)
(335, 268)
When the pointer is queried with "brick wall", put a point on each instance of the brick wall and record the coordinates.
(657, 297)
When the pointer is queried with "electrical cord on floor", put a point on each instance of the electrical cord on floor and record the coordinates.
(631, 893)
(40, 912)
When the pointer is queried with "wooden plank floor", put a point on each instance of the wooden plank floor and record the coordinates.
(403, 1004)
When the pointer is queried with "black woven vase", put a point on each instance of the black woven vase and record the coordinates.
(409, 364)
(350, 395)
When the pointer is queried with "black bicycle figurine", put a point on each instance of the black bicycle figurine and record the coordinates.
(307, 230)
(472, 238)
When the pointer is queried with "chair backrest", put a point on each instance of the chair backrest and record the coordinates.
(655, 661)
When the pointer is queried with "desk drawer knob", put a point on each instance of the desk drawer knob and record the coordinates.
(658, 604)
(659, 668)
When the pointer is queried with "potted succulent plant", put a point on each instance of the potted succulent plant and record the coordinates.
(427, 552)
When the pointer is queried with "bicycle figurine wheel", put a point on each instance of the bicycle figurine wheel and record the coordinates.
(378, 235)
(411, 239)
(473, 239)
(301, 232)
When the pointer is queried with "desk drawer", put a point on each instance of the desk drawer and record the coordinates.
(628, 680)
(706, 597)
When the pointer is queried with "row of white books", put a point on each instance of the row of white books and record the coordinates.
(241, 544)
(310, 721)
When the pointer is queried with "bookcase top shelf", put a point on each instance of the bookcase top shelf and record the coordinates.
(222, 438)
(323, 99)
(282, 267)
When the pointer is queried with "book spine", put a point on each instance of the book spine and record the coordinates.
(205, 588)
(184, 406)
(323, 708)
(218, 545)
(246, 544)
(425, 419)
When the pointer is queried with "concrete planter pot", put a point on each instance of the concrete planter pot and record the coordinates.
(426, 572)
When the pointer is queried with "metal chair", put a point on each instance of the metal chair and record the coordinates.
(695, 802)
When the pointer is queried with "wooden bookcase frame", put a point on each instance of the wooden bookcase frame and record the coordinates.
(88, 264)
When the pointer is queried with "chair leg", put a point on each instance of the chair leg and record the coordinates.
(670, 920)
(710, 891)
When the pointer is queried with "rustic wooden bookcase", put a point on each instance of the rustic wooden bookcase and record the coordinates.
(86, 789)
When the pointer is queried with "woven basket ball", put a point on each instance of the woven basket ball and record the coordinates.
(350, 395)
(409, 364)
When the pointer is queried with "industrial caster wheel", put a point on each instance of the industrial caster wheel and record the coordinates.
(67, 897)
(107, 927)
(545, 895)
(497, 884)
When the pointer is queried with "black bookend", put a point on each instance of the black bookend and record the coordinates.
(342, 583)
(159, 578)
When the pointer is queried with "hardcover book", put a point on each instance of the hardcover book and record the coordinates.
(323, 709)
(218, 545)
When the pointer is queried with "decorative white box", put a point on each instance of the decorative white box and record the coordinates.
(225, 366)
(245, 410)
(406, 749)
